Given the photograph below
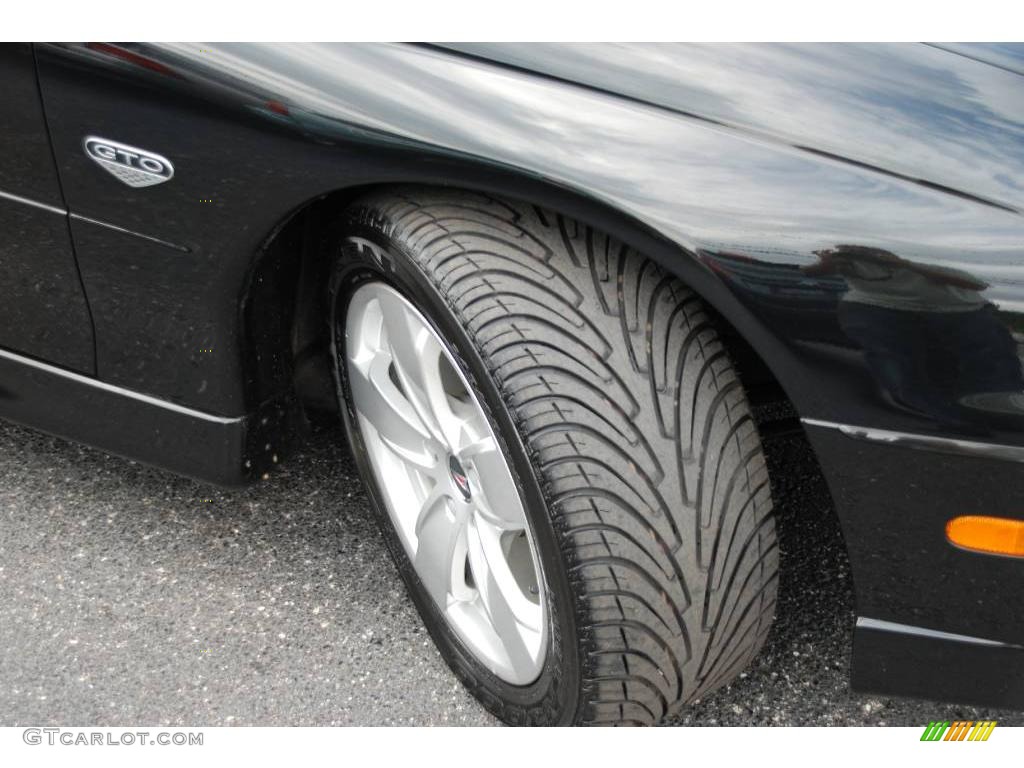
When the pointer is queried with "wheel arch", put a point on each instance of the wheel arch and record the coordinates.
(281, 314)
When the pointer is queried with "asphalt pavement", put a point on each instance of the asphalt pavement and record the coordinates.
(131, 596)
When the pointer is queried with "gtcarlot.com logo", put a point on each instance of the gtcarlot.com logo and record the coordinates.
(82, 738)
(959, 730)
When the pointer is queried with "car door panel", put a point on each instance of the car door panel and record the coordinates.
(43, 310)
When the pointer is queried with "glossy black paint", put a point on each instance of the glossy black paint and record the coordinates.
(895, 502)
(852, 211)
(43, 312)
(913, 112)
(73, 406)
(937, 668)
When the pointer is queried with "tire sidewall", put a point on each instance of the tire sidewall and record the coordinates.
(364, 252)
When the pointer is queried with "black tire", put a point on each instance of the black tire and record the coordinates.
(629, 434)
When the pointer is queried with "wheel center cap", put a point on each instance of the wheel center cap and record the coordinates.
(459, 477)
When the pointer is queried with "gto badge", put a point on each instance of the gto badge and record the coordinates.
(135, 167)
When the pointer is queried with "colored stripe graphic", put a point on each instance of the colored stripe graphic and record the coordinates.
(983, 730)
(958, 730)
(934, 731)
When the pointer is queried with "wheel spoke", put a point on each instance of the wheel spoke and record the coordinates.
(418, 355)
(437, 540)
(512, 616)
(382, 404)
(498, 498)
(438, 497)
(485, 444)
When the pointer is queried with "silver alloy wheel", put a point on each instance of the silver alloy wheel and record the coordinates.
(446, 483)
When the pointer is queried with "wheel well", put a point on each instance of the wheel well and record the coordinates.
(286, 344)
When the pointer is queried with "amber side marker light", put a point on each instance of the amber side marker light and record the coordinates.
(997, 535)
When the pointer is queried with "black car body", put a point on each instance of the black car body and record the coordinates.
(178, 324)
